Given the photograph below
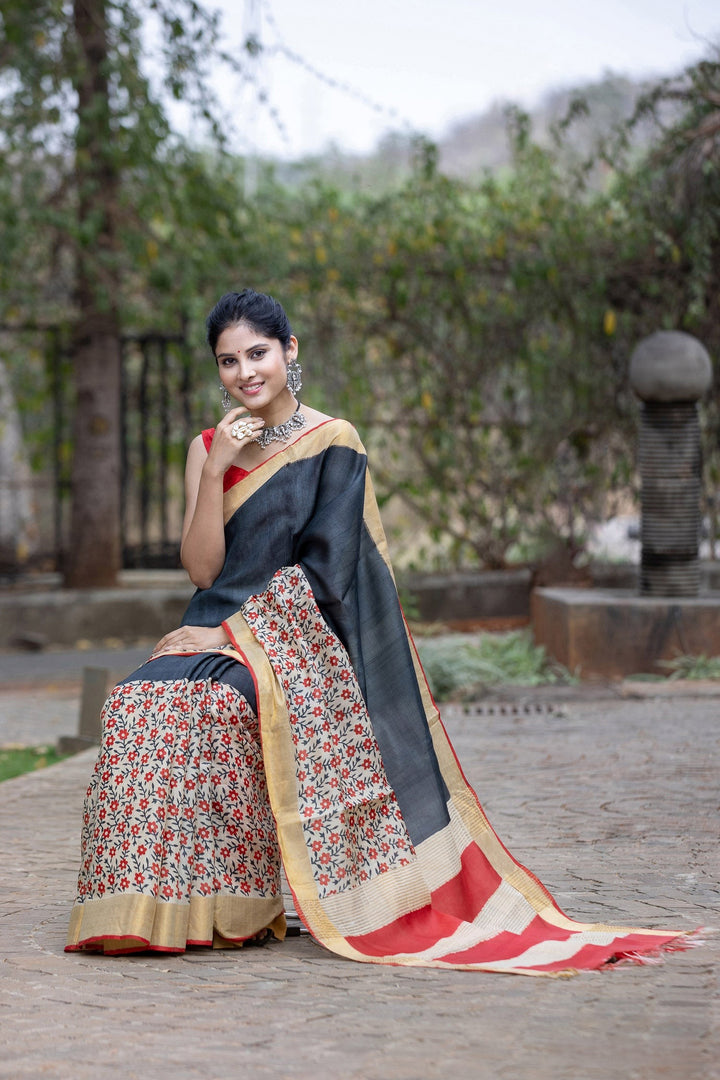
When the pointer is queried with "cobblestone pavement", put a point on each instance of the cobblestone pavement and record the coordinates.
(614, 804)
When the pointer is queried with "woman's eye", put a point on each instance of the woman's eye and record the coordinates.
(258, 354)
(228, 361)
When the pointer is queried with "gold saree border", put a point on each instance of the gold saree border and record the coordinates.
(314, 441)
(282, 788)
(134, 921)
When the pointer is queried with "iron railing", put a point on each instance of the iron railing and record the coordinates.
(163, 404)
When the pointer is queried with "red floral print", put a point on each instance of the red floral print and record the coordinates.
(341, 780)
(169, 830)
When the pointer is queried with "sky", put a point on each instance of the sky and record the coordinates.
(421, 65)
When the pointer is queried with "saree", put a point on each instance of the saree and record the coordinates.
(336, 763)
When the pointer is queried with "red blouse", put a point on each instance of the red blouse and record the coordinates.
(234, 474)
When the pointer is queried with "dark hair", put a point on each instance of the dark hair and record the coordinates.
(261, 312)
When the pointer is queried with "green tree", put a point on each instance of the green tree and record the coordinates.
(82, 135)
(479, 333)
(452, 321)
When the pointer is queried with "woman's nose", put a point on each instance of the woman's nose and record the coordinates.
(245, 367)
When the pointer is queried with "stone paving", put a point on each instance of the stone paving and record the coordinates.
(613, 803)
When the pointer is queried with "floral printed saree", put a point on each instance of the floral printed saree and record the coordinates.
(311, 740)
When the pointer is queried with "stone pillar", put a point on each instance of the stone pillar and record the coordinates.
(18, 529)
(670, 371)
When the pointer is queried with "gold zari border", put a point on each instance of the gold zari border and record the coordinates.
(133, 921)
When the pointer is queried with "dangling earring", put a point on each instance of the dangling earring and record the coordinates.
(227, 401)
(294, 377)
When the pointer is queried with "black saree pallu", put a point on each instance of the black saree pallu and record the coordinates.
(336, 761)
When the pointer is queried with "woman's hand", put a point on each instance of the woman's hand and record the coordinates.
(192, 639)
(236, 430)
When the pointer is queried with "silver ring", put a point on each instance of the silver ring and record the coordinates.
(241, 430)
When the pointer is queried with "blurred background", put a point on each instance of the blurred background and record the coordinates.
(471, 212)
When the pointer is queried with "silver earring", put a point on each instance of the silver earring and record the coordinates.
(294, 377)
(227, 401)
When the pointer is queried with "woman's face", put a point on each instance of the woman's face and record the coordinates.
(253, 367)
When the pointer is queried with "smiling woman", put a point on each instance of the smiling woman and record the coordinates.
(289, 719)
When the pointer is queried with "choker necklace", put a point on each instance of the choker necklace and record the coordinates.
(282, 432)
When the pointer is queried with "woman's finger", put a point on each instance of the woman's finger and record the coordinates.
(233, 415)
(246, 428)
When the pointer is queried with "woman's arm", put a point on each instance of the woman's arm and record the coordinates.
(202, 550)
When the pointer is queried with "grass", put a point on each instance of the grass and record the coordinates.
(460, 668)
(16, 760)
(693, 667)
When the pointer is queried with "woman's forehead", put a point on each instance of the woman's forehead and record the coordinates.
(239, 338)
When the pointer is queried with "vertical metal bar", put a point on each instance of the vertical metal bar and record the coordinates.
(124, 464)
(186, 393)
(144, 444)
(164, 444)
(186, 382)
(55, 362)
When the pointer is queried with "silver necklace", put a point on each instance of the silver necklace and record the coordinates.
(281, 432)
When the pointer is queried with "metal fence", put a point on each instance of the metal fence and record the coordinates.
(164, 402)
(157, 423)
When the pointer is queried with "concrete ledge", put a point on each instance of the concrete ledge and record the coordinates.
(475, 594)
(612, 633)
(66, 616)
(149, 603)
(482, 594)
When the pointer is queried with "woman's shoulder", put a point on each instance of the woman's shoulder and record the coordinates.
(205, 438)
(200, 446)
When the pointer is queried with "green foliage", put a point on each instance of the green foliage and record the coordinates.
(453, 320)
(457, 668)
(693, 667)
(177, 212)
(477, 332)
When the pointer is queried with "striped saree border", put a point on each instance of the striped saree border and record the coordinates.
(468, 806)
(460, 899)
(463, 901)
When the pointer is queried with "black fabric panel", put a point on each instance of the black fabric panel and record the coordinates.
(200, 666)
(394, 701)
(311, 513)
(260, 538)
(357, 596)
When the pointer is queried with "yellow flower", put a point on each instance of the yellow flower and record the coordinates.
(610, 322)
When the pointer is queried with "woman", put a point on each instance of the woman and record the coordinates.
(289, 714)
